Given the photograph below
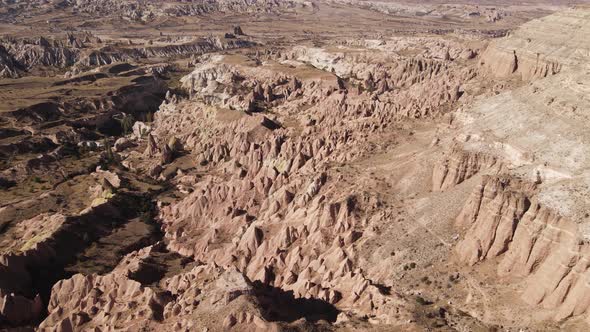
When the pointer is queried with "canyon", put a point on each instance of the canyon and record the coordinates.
(324, 165)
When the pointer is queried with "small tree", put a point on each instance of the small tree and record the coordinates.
(110, 156)
(127, 123)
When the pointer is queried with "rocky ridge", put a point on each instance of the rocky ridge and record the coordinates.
(268, 196)
(531, 213)
(149, 10)
(86, 51)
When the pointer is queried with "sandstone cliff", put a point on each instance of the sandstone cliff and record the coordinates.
(538, 48)
(533, 217)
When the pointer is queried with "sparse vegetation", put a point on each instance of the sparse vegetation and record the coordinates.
(127, 123)
(409, 266)
(108, 157)
(421, 301)
(149, 117)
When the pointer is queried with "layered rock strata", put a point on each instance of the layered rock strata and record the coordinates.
(535, 51)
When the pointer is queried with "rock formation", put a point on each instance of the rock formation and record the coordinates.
(460, 166)
(162, 168)
(535, 50)
(529, 216)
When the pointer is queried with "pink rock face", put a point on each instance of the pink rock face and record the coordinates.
(504, 63)
(272, 212)
(262, 211)
(536, 50)
(202, 297)
(460, 166)
(503, 218)
(492, 214)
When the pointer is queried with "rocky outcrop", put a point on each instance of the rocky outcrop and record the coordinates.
(9, 68)
(412, 87)
(502, 63)
(504, 219)
(147, 11)
(107, 55)
(31, 53)
(539, 48)
(265, 190)
(16, 260)
(205, 296)
(491, 216)
(532, 219)
(397, 72)
(467, 11)
(98, 296)
(43, 243)
(202, 46)
(459, 166)
(37, 113)
(21, 55)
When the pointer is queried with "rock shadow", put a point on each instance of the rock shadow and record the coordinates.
(280, 305)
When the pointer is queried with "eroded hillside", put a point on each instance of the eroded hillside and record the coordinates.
(202, 171)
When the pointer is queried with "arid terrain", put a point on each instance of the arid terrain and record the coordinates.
(291, 165)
